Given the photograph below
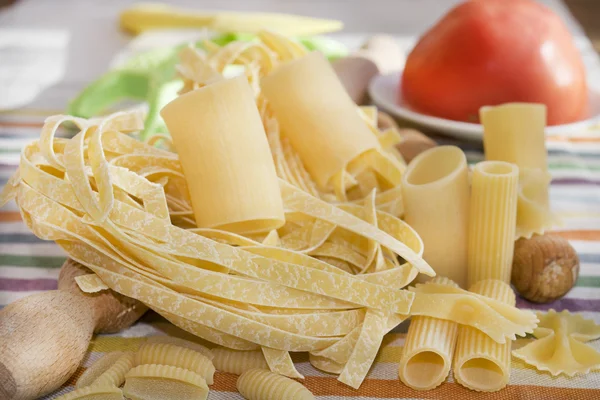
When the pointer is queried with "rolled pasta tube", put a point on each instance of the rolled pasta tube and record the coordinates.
(317, 115)
(225, 156)
(428, 349)
(492, 221)
(480, 363)
(435, 190)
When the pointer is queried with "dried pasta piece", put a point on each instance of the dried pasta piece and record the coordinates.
(115, 374)
(560, 348)
(435, 191)
(325, 364)
(534, 215)
(98, 368)
(480, 363)
(169, 354)
(281, 363)
(492, 221)
(95, 392)
(259, 384)
(228, 155)
(90, 283)
(164, 382)
(237, 362)
(428, 349)
(165, 339)
(298, 92)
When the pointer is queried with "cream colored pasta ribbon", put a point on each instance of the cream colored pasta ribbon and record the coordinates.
(435, 189)
(428, 349)
(514, 133)
(480, 363)
(492, 221)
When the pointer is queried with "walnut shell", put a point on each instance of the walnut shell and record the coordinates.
(544, 268)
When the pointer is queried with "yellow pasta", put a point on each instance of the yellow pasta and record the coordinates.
(223, 147)
(98, 368)
(90, 283)
(428, 349)
(492, 221)
(534, 215)
(238, 362)
(115, 374)
(93, 393)
(435, 190)
(164, 339)
(325, 364)
(480, 363)
(281, 363)
(169, 354)
(317, 116)
(259, 384)
(164, 382)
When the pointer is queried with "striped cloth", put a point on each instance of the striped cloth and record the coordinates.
(29, 265)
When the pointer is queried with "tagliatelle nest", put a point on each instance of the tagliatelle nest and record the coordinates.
(326, 282)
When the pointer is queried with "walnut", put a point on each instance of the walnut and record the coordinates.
(544, 268)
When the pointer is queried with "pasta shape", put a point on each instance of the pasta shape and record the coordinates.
(492, 221)
(90, 283)
(115, 374)
(534, 215)
(169, 354)
(98, 368)
(259, 384)
(428, 349)
(281, 363)
(325, 364)
(164, 382)
(93, 393)
(164, 339)
(560, 348)
(435, 190)
(238, 362)
(480, 363)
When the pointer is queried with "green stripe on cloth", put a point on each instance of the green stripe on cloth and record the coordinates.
(31, 261)
(588, 281)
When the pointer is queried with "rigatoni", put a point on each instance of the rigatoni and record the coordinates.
(428, 349)
(492, 221)
(479, 362)
(435, 191)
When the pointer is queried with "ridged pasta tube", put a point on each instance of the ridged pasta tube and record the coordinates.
(435, 191)
(480, 363)
(259, 384)
(428, 349)
(492, 221)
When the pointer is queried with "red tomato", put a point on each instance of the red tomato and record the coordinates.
(488, 52)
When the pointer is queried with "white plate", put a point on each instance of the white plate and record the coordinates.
(384, 91)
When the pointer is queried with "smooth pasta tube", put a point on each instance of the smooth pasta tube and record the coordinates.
(259, 384)
(435, 190)
(492, 221)
(427, 354)
(317, 115)
(223, 150)
(479, 362)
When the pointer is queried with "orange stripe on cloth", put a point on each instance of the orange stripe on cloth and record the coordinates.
(588, 235)
(564, 139)
(10, 216)
(22, 124)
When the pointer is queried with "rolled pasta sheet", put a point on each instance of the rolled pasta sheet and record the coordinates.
(428, 349)
(492, 221)
(435, 190)
(237, 362)
(317, 116)
(259, 384)
(479, 362)
(225, 156)
(533, 207)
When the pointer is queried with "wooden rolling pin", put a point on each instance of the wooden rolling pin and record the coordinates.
(44, 337)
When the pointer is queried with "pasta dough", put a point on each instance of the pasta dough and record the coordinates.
(480, 363)
(561, 348)
(260, 384)
(492, 221)
(435, 189)
(428, 349)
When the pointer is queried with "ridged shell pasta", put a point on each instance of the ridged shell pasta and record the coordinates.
(115, 374)
(94, 393)
(259, 384)
(97, 368)
(164, 382)
(169, 354)
(237, 362)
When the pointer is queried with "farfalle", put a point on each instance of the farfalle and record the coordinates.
(561, 348)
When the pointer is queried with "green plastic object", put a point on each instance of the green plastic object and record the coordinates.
(150, 77)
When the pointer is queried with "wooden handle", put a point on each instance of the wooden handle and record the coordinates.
(44, 337)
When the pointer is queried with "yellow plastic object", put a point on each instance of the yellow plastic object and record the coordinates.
(435, 189)
(164, 382)
(259, 384)
(317, 116)
(221, 143)
(142, 17)
(492, 221)
(428, 349)
(480, 363)
(560, 348)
